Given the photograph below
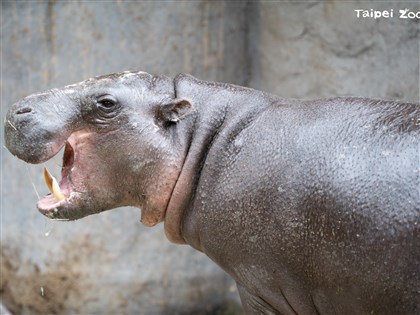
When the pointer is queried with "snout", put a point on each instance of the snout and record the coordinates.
(35, 130)
(21, 128)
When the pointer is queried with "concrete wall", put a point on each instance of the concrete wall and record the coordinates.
(310, 49)
(110, 263)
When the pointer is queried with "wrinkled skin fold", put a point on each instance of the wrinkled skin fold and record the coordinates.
(311, 206)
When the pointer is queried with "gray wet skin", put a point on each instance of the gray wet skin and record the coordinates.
(311, 206)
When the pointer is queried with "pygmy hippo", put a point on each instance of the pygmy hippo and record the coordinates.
(311, 206)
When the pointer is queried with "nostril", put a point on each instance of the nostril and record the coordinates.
(24, 110)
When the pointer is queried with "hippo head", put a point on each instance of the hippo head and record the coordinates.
(118, 132)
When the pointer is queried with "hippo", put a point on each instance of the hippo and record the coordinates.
(312, 206)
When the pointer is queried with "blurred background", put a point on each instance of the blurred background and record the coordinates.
(110, 263)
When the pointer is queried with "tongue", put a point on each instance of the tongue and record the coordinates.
(52, 185)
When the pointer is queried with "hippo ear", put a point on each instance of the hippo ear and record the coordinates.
(174, 110)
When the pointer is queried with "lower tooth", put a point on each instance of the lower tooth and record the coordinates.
(52, 185)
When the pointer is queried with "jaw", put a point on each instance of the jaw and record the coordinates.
(70, 198)
(86, 188)
(63, 194)
(90, 185)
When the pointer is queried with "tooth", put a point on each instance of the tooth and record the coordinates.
(52, 185)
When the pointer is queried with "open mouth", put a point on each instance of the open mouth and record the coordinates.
(61, 192)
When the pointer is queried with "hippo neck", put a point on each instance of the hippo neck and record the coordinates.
(217, 107)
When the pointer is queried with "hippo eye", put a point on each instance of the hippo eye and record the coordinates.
(106, 102)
